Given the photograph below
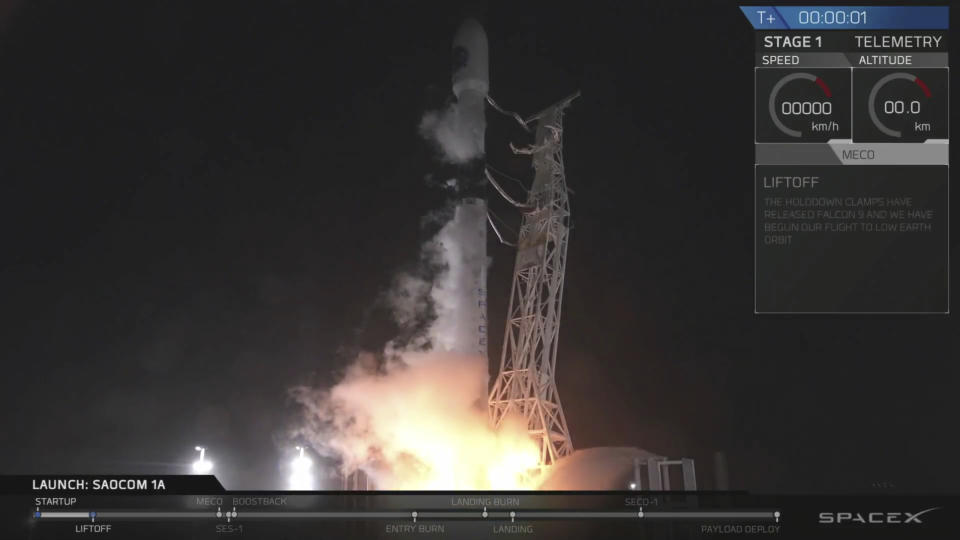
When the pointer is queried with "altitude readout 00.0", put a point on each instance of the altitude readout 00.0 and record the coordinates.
(896, 105)
(802, 105)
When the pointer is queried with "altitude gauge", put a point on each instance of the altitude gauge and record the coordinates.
(902, 106)
(803, 105)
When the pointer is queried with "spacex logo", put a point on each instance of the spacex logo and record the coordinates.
(875, 518)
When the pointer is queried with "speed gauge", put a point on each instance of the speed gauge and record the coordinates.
(803, 105)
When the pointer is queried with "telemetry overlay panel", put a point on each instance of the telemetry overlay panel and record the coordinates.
(851, 182)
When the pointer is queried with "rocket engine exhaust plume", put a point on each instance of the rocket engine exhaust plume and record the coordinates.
(414, 423)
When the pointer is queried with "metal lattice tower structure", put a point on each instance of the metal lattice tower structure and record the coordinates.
(525, 385)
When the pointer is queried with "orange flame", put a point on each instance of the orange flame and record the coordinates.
(421, 422)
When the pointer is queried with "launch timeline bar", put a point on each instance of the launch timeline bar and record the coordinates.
(434, 515)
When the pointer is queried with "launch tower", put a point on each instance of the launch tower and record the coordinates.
(525, 385)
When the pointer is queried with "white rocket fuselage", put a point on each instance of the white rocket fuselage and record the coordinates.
(471, 79)
(471, 83)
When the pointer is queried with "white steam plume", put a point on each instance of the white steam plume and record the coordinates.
(457, 130)
(418, 419)
(414, 423)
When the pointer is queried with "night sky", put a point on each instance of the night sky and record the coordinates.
(204, 203)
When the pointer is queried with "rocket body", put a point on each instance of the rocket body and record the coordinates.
(471, 83)
(471, 71)
(460, 295)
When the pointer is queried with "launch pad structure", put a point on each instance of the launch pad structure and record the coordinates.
(526, 385)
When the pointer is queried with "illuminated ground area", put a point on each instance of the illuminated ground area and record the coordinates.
(601, 468)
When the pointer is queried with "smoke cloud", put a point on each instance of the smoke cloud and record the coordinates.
(415, 416)
(413, 423)
(409, 299)
(457, 130)
(440, 297)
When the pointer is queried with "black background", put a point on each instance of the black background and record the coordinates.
(202, 202)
